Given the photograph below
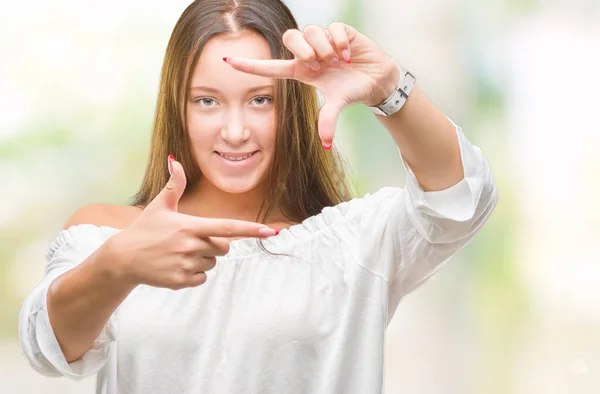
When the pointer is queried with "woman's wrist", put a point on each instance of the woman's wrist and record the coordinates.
(389, 82)
(114, 263)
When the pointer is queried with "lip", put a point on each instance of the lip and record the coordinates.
(236, 154)
(237, 164)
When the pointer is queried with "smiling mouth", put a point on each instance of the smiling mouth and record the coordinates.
(236, 156)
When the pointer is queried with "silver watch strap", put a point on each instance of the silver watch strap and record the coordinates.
(396, 100)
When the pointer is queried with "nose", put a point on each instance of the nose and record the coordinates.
(234, 130)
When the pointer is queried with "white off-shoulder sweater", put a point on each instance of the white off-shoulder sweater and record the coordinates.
(310, 321)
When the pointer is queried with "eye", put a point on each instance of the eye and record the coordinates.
(206, 101)
(262, 100)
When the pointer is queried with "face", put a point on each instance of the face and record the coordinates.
(231, 115)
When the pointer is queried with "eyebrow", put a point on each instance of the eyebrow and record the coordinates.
(214, 90)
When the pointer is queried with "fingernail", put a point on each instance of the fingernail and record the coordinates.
(335, 62)
(267, 232)
(171, 158)
(315, 65)
(346, 56)
(327, 147)
(226, 60)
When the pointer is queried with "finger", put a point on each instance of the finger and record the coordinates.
(265, 67)
(316, 37)
(327, 122)
(169, 196)
(220, 246)
(206, 263)
(212, 246)
(294, 40)
(197, 279)
(339, 36)
(228, 228)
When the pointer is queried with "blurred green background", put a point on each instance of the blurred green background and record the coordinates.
(515, 312)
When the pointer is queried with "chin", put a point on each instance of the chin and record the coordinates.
(237, 186)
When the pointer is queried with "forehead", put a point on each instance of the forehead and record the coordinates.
(212, 70)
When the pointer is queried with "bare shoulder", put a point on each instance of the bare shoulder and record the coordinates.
(117, 216)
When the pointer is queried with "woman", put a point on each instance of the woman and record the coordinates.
(284, 285)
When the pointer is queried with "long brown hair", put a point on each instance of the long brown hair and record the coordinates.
(304, 178)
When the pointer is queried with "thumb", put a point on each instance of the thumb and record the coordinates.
(169, 196)
(327, 121)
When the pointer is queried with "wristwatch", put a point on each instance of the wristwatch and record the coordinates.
(396, 101)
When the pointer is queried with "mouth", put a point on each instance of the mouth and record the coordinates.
(236, 156)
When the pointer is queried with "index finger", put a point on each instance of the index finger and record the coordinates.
(273, 68)
(229, 228)
(339, 36)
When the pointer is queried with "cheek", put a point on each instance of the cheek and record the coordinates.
(264, 129)
(202, 130)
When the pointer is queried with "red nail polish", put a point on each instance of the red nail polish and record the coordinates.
(276, 232)
(225, 60)
(170, 164)
(349, 61)
(327, 147)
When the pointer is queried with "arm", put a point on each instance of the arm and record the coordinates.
(79, 244)
(64, 328)
(450, 193)
(404, 235)
(427, 140)
(81, 300)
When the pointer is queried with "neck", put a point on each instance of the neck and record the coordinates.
(206, 200)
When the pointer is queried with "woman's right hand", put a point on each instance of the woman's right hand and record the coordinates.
(165, 248)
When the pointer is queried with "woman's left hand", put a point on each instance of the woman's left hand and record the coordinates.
(346, 66)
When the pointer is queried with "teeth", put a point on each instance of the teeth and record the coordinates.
(235, 158)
